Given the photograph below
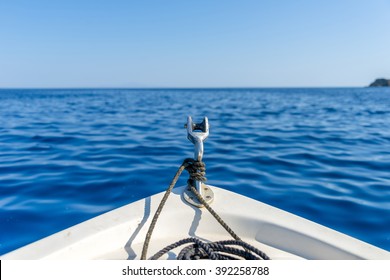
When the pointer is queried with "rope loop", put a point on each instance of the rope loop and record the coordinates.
(196, 170)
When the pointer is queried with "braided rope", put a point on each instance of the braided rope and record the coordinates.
(158, 211)
(220, 250)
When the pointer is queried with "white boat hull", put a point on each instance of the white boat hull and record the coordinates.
(120, 233)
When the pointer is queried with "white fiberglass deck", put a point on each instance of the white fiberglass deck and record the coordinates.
(120, 234)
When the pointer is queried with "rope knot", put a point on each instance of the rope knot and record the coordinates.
(196, 170)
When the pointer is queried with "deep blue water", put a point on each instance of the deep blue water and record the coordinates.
(69, 155)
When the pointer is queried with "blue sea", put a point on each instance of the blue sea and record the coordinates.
(67, 155)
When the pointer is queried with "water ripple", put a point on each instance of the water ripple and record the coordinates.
(69, 155)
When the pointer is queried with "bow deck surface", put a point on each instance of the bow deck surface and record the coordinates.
(119, 234)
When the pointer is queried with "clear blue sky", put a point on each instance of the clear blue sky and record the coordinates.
(193, 43)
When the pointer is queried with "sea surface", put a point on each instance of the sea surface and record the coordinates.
(67, 155)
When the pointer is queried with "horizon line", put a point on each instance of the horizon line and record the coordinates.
(184, 87)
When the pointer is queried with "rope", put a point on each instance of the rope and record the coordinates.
(199, 249)
(196, 170)
(158, 211)
(215, 215)
(220, 250)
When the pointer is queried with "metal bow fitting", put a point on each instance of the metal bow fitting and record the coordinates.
(197, 134)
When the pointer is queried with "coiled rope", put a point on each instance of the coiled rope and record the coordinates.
(221, 250)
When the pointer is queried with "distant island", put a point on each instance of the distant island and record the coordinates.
(380, 83)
